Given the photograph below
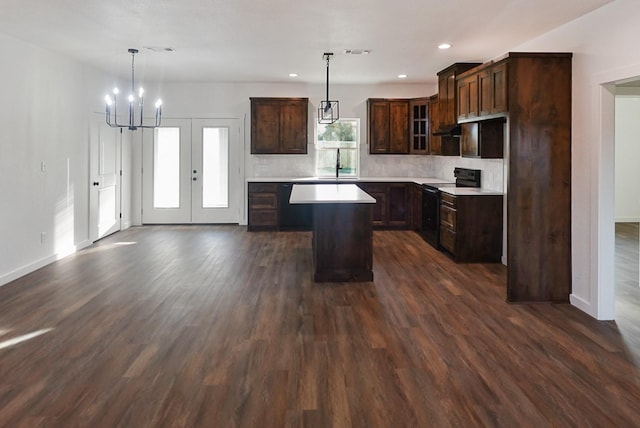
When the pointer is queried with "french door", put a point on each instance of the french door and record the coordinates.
(191, 172)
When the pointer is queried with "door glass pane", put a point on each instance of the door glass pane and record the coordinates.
(166, 168)
(215, 167)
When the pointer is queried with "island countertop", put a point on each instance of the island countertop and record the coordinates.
(329, 194)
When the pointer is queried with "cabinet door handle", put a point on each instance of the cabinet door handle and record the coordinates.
(95, 183)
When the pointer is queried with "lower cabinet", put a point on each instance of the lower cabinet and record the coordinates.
(397, 205)
(379, 211)
(263, 206)
(391, 210)
(269, 208)
(471, 227)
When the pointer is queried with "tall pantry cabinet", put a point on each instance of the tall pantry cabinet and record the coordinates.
(539, 177)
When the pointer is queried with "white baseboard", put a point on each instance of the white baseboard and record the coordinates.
(584, 306)
(11, 276)
(31, 267)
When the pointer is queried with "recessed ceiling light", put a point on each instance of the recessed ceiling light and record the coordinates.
(402, 76)
(444, 46)
(293, 74)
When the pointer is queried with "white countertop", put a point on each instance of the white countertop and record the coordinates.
(329, 194)
(417, 180)
(469, 191)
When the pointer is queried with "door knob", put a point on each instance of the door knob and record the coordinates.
(95, 183)
(195, 178)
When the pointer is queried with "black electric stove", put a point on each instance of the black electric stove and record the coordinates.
(431, 202)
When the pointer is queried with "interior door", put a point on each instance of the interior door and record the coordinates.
(191, 172)
(104, 170)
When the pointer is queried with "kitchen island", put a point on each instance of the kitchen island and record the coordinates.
(342, 231)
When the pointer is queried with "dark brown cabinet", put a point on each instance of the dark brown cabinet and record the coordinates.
(391, 210)
(539, 197)
(471, 227)
(379, 210)
(398, 212)
(468, 106)
(499, 88)
(435, 142)
(483, 139)
(419, 126)
(279, 125)
(440, 145)
(448, 94)
(482, 92)
(533, 90)
(263, 206)
(388, 126)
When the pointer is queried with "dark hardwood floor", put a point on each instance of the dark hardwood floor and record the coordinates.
(212, 326)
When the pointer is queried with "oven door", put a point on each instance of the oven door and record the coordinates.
(430, 214)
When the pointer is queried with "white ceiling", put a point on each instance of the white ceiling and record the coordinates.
(265, 40)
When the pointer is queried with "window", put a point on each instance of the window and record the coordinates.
(343, 134)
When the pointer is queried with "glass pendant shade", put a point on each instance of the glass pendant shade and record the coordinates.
(328, 112)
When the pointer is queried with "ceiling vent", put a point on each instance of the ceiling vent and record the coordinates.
(159, 49)
(357, 51)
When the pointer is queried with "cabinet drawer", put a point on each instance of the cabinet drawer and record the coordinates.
(263, 187)
(448, 239)
(263, 201)
(447, 199)
(263, 218)
(448, 217)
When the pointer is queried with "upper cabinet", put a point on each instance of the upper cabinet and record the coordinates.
(445, 145)
(482, 92)
(482, 139)
(388, 126)
(419, 126)
(279, 125)
(448, 94)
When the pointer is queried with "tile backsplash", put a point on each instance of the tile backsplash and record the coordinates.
(493, 170)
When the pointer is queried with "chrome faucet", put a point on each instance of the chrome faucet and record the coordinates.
(338, 166)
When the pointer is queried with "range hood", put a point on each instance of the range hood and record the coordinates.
(448, 131)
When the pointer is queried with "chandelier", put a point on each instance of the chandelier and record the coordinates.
(329, 111)
(135, 119)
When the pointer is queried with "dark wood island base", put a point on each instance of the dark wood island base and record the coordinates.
(342, 242)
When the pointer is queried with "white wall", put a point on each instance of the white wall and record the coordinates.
(44, 117)
(605, 49)
(627, 157)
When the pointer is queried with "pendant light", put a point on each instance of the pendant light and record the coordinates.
(329, 110)
(135, 119)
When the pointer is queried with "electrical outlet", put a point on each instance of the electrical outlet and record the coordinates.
(43, 237)
(43, 166)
